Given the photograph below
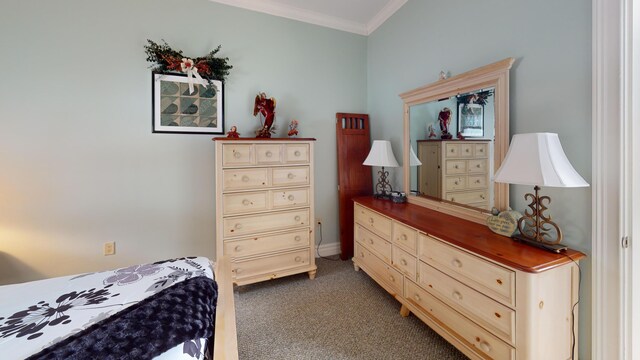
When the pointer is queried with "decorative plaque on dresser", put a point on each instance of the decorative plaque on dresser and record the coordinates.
(265, 207)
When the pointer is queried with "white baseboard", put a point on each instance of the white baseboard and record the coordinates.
(328, 249)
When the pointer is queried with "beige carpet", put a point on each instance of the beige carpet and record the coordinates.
(342, 314)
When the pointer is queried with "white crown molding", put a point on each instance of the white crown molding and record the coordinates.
(294, 13)
(384, 15)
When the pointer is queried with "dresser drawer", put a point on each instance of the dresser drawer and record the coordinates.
(270, 264)
(404, 262)
(296, 153)
(244, 202)
(290, 176)
(467, 197)
(370, 220)
(282, 220)
(237, 154)
(455, 167)
(240, 179)
(477, 181)
(478, 166)
(488, 278)
(482, 341)
(451, 150)
(488, 313)
(481, 150)
(379, 270)
(266, 244)
(268, 154)
(289, 198)
(405, 237)
(455, 183)
(466, 150)
(374, 243)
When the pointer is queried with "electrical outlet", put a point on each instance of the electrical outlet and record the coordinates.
(318, 221)
(109, 248)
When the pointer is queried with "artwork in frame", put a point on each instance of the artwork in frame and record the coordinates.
(176, 109)
(471, 120)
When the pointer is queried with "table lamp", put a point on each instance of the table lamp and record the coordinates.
(413, 159)
(381, 155)
(538, 159)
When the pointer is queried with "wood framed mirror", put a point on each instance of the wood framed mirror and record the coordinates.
(455, 176)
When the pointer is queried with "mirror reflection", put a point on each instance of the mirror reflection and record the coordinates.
(453, 139)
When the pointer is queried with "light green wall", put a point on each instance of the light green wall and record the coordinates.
(79, 165)
(550, 86)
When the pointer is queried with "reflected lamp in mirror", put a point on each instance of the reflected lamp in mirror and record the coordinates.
(538, 159)
(381, 155)
(413, 159)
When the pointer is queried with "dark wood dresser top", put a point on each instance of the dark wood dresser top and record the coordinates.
(471, 236)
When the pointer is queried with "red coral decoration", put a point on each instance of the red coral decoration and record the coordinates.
(267, 108)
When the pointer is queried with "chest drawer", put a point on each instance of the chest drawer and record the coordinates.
(467, 197)
(237, 154)
(477, 182)
(483, 341)
(452, 150)
(481, 150)
(266, 244)
(455, 183)
(488, 278)
(466, 150)
(288, 198)
(404, 262)
(291, 176)
(478, 166)
(488, 313)
(374, 243)
(455, 167)
(239, 179)
(268, 154)
(244, 202)
(405, 237)
(282, 220)
(296, 153)
(372, 221)
(270, 264)
(379, 270)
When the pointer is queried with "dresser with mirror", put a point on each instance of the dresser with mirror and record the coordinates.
(486, 294)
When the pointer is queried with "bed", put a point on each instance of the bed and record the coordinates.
(180, 309)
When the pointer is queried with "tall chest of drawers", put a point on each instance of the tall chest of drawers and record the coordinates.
(455, 170)
(487, 295)
(265, 207)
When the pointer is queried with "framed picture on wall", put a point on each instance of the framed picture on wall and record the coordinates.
(471, 120)
(177, 108)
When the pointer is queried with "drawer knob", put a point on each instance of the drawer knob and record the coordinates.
(371, 241)
(499, 281)
(403, 262)
(297, 218)
(236, 155)
(477, 181)
(456, 182)
(370, 220)
(467, 150)
(484, 346)
(481, 150)
(391, 278)
(455, 166)
(296, 153)
(478, 166)
(291, 197)
(482, 197)
(238, 226)
(361, 254)
(457, 263)
(298, 259)
(417, 297)
(246, 202)
(297, 238)
(498, 315)
(269, 154)
(238, 248)
(403, 237)
(456, 295)
(453, 199)
(245, 178)
(452, 150)
(290, 176)
(238, 270)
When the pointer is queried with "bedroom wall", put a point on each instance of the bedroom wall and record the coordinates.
(550, 86)
(79, 165)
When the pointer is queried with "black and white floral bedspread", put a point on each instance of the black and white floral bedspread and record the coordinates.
(38, 314)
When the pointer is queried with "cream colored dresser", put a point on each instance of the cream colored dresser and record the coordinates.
(264, 207)
(489, 296)
(455, 170)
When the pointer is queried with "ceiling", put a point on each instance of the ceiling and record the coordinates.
(356, 16)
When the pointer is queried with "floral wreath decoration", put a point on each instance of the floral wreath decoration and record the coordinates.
(170, 61)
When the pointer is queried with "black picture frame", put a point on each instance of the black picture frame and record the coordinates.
(471, 120)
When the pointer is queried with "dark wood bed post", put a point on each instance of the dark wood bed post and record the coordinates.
(354, 179)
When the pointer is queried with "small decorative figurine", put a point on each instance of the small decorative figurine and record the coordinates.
(443, 75)
(460, 136)
(267, 110)
(432, 131)
(293, 128)
(445, 119)
(233, 132)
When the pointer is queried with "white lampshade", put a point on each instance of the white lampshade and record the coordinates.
(381, 154)
(538, 159)
(413, 159)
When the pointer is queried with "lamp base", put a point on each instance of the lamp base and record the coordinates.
(556, 248)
